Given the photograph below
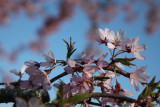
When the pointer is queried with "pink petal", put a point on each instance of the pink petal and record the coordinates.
(71, 63)
(15, 72)
(110, 46)
(23, 69)
(75, 90)
(46, 64)
(76, 78)
(135, 84)
(50, 53)
(47, 58)
(33, 102)
(69, 70)
(20, 102)
(86, 75)
(139, 56)
(128, 93)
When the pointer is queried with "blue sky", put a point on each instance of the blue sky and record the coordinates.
(22, 30)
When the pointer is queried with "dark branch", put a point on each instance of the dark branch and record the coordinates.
(120, 97)
(8, 95)
(58, 77)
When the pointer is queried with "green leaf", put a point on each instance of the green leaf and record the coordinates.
(152, 81)
(60, 92)
(125, 61)
(152, 105)
(78, 97)
(70, 47)
(100, 78)
(59, 99)
(149, 90)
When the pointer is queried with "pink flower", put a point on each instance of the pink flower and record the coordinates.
(19, 73)
(135, 48)
(89, 70)
(104, 35)
(69, 70)
(139, 76)
(86, 58)
(77, 85)
(33, 102)
(37, 79)
(50, 60)
(32, 67)
(107, 83)
(124, 92)
(107, 100)
(71, 65)
(116, 40)
(101, 63)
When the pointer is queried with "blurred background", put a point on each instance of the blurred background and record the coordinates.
(29, 28)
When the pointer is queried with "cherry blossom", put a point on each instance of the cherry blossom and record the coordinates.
(116, 41)
(135, 48)
(89, 70)
(33, 102)
(107, 100)
(101, 63)
(107, 83)
(77, 85)
(32, 67)
(139, 76)
(124, 92)
(37, 79)
(19, 73)
(50, 60)
(86, 58)
(104, 35)
(71, 65)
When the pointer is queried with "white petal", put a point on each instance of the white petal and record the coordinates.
(29, 63)
(136, 41)
(102, 34)
(109, 74)
(135, 84)
(45, 64)
(15, 72)
(111, 36)
(120, 34)
(23, 69)
(139, 56)
(128, 93)
(50, 53)
(71, 63)
(119, 65)
(110, 46)
(47, 58)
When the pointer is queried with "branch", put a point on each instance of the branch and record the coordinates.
(80, 97)
(8, 95)
(93, 103)
(117, 71)
(120, 97)
(58, 76)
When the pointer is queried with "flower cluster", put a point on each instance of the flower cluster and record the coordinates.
(87, 73)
